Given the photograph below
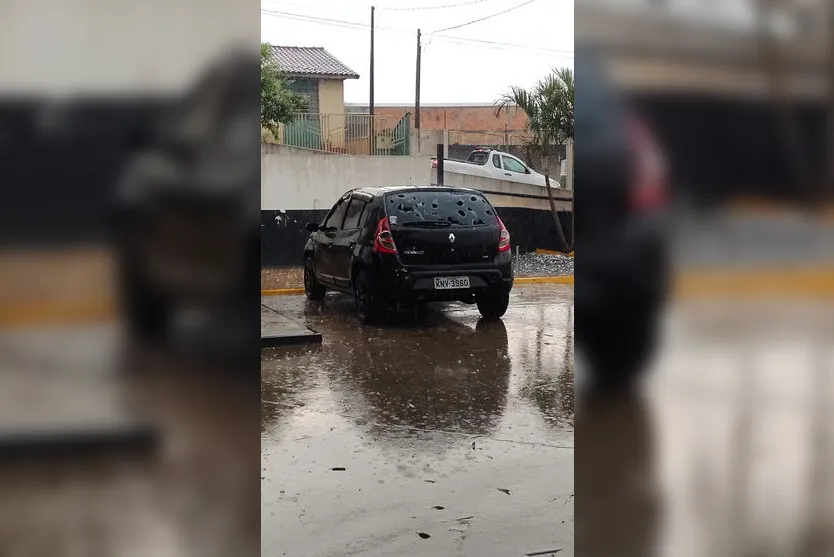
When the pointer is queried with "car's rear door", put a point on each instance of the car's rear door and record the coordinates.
(344, 243)
(324, 253)
(443, 227)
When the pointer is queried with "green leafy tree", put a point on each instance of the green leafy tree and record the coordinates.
(279, 105)
(549, 109)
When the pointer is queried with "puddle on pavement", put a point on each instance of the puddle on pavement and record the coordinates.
(449, 403)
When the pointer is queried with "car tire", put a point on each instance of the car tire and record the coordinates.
(419, 311)
(493, 303)
(145, 310)
(312, 288)
(617, 358)
(367, 307)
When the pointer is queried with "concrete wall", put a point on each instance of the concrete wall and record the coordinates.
(293, 178)
(332, 103)
(424, 143)
(300, 186)
(509, 194)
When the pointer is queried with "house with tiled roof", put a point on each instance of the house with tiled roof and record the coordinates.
(316, 74)
(319, 77)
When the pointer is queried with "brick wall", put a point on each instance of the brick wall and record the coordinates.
(475, 118)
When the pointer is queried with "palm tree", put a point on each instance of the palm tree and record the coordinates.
(549, 109)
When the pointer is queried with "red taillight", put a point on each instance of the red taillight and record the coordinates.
(434, 163)
(384, 242)
(504, 238)
(649, 189)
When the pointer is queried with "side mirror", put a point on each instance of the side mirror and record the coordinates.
(312, 226)
(527, 171)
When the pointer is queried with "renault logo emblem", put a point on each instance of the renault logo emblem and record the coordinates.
(451, 238)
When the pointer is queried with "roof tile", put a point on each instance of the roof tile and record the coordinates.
(312, 61)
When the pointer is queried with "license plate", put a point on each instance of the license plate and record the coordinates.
(450, 283)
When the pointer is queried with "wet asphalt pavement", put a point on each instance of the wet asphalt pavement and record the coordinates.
(191, 491)
(727, 449)
(445, 436)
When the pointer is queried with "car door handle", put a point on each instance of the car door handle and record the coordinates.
(507, 174)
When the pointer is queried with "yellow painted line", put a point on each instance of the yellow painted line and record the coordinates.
(808, 283)
(816, 282)
(543, 251)
(545, 280)
(763, 207)
(57, 313)
(282, 291)
(518, 280)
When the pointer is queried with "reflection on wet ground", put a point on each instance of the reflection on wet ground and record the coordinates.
(450, 427)
(727, 450)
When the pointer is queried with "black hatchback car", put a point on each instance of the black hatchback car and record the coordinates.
(404, 245)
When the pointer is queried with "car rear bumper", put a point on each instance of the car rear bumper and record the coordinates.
(626, 271)
(401, 283)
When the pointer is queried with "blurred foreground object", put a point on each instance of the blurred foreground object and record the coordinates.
(737, 92)
(622, 274)
(188, 210)
(732, 433)
(106, 447)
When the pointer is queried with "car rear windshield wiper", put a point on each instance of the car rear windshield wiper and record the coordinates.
(428, 223)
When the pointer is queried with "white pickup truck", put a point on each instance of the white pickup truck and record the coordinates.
(498, 165)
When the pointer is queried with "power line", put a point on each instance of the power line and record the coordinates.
(485, 17)
(461, 41)
(418, 8)
(333, 22)
(509, 48)
(284, 3)
(522, 46)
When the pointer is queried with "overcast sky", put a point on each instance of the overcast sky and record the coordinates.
(516, 48)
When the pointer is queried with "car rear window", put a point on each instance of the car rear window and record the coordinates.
(478, 157)
(448, 208)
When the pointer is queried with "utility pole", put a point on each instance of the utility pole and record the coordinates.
(417, 94)
(371, 107)
(371, 130)
(441, 155)
(830, 154)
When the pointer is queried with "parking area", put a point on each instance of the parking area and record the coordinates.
(446, 436)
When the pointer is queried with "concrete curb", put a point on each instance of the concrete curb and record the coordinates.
(568, 279)
(814, 282)
(134, 438)
(294, 339)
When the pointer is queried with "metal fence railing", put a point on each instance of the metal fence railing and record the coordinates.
(352, 134)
